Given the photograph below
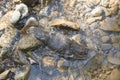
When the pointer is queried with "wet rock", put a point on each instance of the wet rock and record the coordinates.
(27, 42)
(115, 75)
(3, 75)
(5, 20)
(114, 58)
(109, 24)
(106, 46)
(56, 39)
(19, 57)
(63, 64)
(105, 39)
(97, 12)
(49, 61)
(22, 72)
(61, 44)
(64, 23)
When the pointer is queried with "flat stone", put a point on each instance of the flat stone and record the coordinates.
(64, 23)
(7, 37)
(49, 61)
(28, 41)
(106, 46)
(93, 19)
(105, 39)
(114, 58)
(115, 75)
(114, 39)
(116, 46)
(97, 12)
(110, 24)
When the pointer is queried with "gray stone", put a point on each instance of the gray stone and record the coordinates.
(106, 46)
(105, 39)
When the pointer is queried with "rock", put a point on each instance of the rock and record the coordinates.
(104, 3)
(62, 44)
(92, 3)
(49, 61)
(28, 41)
(109, 24)
(7, 38)
(114, 39)
(105, 39)
(30, 22)
(97, 12)
(61, 66)
(93, 19)
(23, 9)
(64, 23)
(115, 75)
(114, 58)
(106, 46)
(57, 38)
(19, 57)
(72, 3)
(3, 75)
(16, 1)
(116, 46)
(113, 10)
(22, 73)
(76, 38)
(29, 2)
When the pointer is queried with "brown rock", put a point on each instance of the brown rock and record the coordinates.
(3, 75)
(49, 61)
(7, 37)
(64, 23)
(28, 41)
(115, 75)
(110, 24)
(5, 20)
